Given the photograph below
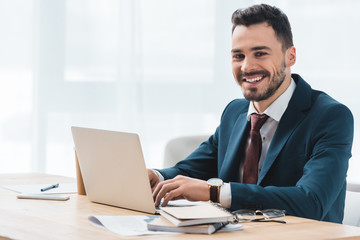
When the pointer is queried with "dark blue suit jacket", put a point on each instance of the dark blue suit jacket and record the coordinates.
(304, 171)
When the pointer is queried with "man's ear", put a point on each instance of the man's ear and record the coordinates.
(290, 56)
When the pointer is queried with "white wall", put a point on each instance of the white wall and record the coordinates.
(157, 67)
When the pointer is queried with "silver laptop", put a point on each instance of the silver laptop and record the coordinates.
(113, 168)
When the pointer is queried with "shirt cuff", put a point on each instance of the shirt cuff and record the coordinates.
(158, 174)
(225, 195)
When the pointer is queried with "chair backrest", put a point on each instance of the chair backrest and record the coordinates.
(179, 148)
(352, 205)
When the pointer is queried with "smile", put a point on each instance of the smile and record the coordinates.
(252, 80)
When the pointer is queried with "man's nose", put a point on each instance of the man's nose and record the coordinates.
(248, 65)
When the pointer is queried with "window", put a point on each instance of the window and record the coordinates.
(156, 67)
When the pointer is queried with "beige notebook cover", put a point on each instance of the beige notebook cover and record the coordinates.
(193, 215)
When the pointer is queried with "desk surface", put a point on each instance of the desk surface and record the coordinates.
(41, 219)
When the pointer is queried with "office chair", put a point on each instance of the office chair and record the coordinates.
(179, 148)
(352, 205)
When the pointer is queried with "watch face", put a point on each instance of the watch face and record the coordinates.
(215, 182)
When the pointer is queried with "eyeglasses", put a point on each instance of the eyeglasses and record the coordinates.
(269, 215)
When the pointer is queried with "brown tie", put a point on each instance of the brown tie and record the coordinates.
(253, 152)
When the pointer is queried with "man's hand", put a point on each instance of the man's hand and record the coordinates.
(181, 187)
(153, 178)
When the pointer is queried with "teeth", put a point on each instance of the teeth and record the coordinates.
(253, 79)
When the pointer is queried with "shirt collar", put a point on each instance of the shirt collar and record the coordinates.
(278, 107)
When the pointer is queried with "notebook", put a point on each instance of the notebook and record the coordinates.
(163, 224)
(194, 215)
(113, 168)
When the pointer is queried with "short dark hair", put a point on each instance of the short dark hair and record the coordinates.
(269, 14)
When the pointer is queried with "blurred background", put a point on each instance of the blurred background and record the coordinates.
(160, 68)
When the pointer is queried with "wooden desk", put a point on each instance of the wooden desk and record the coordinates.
(42, 219)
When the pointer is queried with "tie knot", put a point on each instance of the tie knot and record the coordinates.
(257, 120)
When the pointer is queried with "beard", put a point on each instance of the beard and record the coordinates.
(254, 95)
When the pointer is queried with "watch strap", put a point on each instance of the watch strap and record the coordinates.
(214, 193)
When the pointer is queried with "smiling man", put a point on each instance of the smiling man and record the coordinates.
(285, 146)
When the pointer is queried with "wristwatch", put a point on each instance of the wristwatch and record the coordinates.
(214, 185)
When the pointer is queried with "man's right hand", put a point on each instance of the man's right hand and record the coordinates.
(153, 178)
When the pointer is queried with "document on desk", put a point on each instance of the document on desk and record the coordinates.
(36, 188)
(126, 225)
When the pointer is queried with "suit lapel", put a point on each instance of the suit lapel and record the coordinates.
(292, 117)
(287, 125)
(229, 171)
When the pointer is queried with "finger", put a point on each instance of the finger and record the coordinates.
(153, 184)
(165, 188)
(157, 189)
(153, 187)
(152, 177)
(175, 194)
(159, 186)
(161, 190)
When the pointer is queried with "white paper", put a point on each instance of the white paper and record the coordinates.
(231, 227)
(137, 225)
(36, 188)
(126, 225)
(184, 203)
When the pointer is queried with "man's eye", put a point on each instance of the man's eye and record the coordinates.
(238, 56)
(260, 54)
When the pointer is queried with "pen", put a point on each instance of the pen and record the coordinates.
(49, 187)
